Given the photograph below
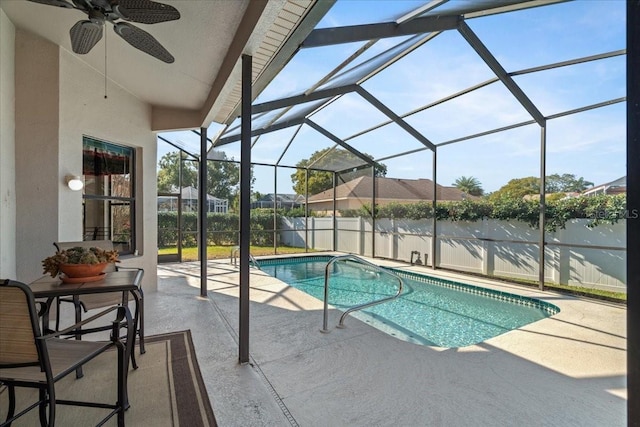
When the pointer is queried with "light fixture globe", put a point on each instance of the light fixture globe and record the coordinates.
(75, 183)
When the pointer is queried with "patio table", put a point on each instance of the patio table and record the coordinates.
(115, 281)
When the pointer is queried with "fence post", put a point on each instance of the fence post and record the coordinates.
(487, 248)
(393, 240)
(360, 236)
(563, 264)
(313, 233)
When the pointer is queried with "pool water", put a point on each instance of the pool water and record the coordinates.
(430, 311)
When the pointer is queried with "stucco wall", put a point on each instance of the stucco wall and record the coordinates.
(36, 152)
(7, 150)
(58, 100)
(121, 119)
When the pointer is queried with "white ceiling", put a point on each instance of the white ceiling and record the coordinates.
(207, 43)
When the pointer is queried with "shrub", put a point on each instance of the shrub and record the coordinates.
(601, 209)
(222, 229)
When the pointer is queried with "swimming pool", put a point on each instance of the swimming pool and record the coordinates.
(431, 311)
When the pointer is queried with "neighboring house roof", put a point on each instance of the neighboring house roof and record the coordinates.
(614, 187)
(389, 189)
(283, 198)
(191, 193)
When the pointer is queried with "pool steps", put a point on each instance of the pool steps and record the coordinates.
(327, 273)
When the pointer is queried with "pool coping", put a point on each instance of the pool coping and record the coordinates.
(508, 297)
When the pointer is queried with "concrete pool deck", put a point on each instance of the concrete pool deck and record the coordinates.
(566, 370)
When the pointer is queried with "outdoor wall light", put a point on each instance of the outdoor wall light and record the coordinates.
(75, 182)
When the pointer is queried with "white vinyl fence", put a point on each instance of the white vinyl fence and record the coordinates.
(576, 256)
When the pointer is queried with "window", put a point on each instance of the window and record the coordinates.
(109, 197)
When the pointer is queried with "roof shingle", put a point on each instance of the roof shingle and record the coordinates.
(391, 188)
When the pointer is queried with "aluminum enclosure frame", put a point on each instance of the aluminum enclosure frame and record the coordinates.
(420, 22)
(423, 20)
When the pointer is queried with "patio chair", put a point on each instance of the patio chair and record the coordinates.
(94, 301)
(30, 359)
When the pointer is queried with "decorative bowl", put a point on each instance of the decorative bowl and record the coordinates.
(82, 270)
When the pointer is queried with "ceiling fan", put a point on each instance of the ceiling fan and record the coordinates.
(86, 33)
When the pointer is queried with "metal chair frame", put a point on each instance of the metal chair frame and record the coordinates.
(26, 356)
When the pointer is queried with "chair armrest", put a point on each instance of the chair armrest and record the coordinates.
(138, 276)
(119, 268)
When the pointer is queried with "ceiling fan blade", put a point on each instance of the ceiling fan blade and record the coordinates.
(142, 40)
(59, 3)
(145, 11)
(84, 36)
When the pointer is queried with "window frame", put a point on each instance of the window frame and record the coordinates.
(109, 200)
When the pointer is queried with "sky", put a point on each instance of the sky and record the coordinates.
(591, 144)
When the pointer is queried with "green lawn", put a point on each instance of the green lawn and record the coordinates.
(618, 297)
(214, 252)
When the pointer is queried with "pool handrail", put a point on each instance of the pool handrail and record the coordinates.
(357, 307)
(252, 259)
(255, 262)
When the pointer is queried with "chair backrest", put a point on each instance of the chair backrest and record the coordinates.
(19, 326)
(107, 245)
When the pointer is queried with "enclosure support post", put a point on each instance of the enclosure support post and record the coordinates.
(245, 207)
(434, 222)
(275, 212)
(373, 211)
(633, 204)
(179, 208)
(542, 221)
(335, 221)
(202, 211)
(306, 210)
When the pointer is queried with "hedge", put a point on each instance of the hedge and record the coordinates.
(222, 229)
(599, 209)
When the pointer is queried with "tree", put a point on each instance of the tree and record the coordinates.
(168, 172)
(320, 181)
(469, 185)
(517, 188)
(223, 176)
(566, 183)
(256, 195)
(520, 187)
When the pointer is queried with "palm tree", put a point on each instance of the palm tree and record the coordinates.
(469, 185)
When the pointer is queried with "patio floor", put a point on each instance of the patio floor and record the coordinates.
(566, 370)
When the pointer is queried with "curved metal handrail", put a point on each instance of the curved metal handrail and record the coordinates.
(255, 262)
(357, 307)
(252, 259)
